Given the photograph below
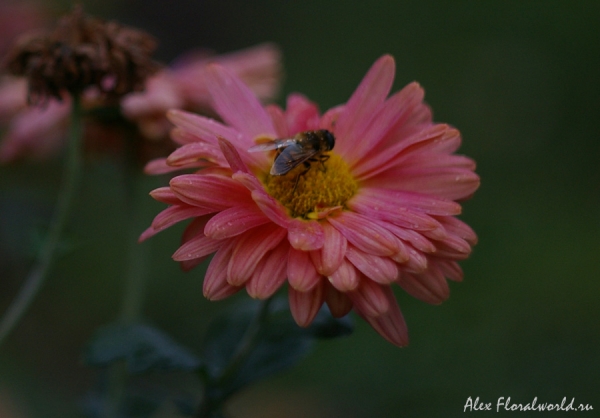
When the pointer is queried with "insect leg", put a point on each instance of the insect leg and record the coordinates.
(322, 159)
(307, 167)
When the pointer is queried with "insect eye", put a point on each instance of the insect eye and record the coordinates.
(329, 139)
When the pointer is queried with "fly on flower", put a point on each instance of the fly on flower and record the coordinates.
(304, 148)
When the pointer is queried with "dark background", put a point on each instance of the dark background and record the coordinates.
(521, 81)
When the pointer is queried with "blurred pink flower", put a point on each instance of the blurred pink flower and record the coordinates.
(381, 212)
(36, 131)
(39, 132)
(183, 86)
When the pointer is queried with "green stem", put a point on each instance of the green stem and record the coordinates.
(213, 397)
(139, 217)
(38, 273)
(247, 343)
(139, 214)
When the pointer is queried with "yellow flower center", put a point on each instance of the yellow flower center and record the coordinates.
(322, 187)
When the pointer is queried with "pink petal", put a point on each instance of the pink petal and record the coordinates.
(403, 254)
(417, 119)
(456, 244)
(237, 105)
(415, 238)
(448, 143)
(278, 118)
(270, 274)
(233, 157)
(365, 234)
(198, 247)
(305, 305)
(338, 302)
(408, 114)
(301, 114)
(204, 128)
(437, 234)
(432, 205)
(374, 207)
(306, 235)
(165, 195)
(459, 228)
(259, 67)
(422, 159)
(159, 166)
(331, 255)
(197, 129)
(183, 137)
(330, 118)
(417, 262)
(195, 228)
(369, 298)
(196, 154)
(148, 233)
(450, 269)
(444, 251)
(171, 216)
(194, 243)
(395, 110)
(223, 292)
(234, 221)
(208, 190)
(381, 160)
(190, 264)
(361, 107)
(301, 272)
(390, 325)
(430, 286)
(215, 285)
(345, 278)
(379, 269)
(450, 183)
(270, 206)
(249, 181)
(249, 249)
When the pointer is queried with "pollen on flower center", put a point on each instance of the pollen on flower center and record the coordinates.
(323, 186)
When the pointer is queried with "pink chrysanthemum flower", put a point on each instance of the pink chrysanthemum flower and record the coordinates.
(381, 210)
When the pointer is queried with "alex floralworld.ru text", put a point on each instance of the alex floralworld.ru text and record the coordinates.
(506, 405)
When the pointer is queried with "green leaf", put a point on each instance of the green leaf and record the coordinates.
(142, 347)
(279, 345)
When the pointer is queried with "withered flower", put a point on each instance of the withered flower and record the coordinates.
(83, 52)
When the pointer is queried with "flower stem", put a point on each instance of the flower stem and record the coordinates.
(139, 214)
(247, 343)
(38, 273)
(213, 396)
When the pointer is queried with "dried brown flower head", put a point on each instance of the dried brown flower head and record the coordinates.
(83, 52)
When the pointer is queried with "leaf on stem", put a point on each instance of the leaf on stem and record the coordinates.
(141, 346)
(278, 344)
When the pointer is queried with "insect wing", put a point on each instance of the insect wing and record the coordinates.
(291, 156)
(271, 145)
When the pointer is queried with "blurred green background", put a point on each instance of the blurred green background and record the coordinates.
(520, 79)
